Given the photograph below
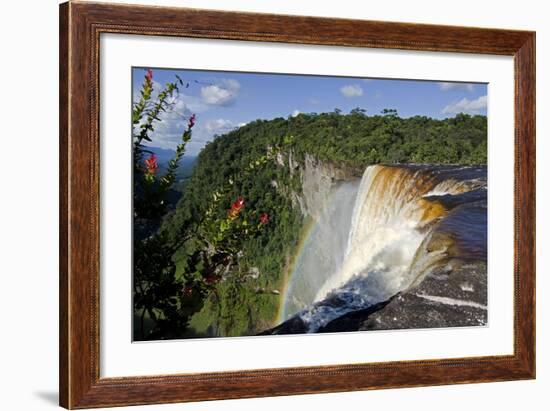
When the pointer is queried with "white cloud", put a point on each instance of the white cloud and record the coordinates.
(173, 122)
(180, 100)
(466, 106)
(446, 86)
(221, 94)
(219, 125)
(231, 84)
(295, 113)
(206, 130)
(168, 135)
(352, 90)
(216, 95)
(168, 131)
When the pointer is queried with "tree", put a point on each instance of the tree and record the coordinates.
(390, 112)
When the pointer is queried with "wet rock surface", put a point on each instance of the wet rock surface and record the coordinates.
(294, 325)
(353, 320)
(446, 298)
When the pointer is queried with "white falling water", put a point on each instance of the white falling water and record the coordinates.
(384, 234)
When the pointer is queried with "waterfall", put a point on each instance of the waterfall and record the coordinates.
(384, 234)
(373, 243)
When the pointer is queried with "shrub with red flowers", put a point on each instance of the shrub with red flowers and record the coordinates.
(264, 219)
(151, 164)
(236, 208)
(165, 299)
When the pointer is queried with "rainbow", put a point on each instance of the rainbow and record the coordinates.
(329, 211)
(290, 271)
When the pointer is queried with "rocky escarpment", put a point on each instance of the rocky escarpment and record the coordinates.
(448, 297)
(317, 180)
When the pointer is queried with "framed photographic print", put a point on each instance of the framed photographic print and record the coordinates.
(256, 205)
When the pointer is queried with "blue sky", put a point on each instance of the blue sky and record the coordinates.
(223, 101)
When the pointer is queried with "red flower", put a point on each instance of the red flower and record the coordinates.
(188, 291)
(264, 218)
(149, 75)
(236, 208)
(191, 121)
(151, 164)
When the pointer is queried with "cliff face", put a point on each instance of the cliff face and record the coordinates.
(317, 181)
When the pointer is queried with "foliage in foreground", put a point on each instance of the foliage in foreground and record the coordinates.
(163, 299)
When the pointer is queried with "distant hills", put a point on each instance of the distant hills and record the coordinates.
(164, 155)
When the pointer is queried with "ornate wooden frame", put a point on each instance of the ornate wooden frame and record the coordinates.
(80, 27)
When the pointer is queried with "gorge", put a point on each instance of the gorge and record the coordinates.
(375, 222)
